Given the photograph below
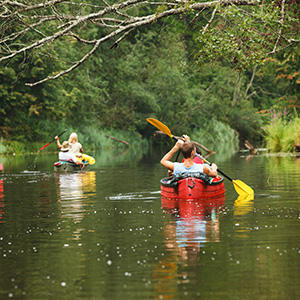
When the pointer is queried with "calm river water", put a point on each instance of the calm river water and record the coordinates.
(106, 234)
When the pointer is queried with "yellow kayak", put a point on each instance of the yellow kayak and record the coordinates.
(91, 160)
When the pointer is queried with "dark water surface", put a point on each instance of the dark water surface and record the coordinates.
(106, 234)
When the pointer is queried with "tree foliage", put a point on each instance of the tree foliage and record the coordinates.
(244, 37)
(116, 63)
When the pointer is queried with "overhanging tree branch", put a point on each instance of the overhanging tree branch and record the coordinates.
(18, 20)
(210, 21)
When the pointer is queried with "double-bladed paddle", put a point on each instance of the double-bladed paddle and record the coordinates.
(52, 140)
(240, 187)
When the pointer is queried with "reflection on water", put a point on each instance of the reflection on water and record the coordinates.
(283, 171)
(193, 223)
(224, 150)
(117, 157)
(73, 191)
(243, 204)
(1, 201)
(33, 165)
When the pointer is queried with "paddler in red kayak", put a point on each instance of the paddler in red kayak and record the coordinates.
(188, 150)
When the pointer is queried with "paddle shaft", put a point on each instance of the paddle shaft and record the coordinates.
(52, 140)
(206, 161)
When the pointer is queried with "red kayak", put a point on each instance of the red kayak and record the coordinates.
(192, 186)
(195, 208)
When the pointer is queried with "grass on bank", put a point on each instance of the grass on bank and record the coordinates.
(215, 134)
(92, 139)
(283, 133)
(217, 137)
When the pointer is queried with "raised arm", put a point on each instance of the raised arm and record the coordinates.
(59, 145)
(166, 160)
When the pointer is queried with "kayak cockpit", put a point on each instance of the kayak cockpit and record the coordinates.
(192, 186)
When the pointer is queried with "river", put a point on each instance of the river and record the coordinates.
(106, 234)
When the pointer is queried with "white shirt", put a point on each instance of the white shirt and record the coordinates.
(67, 155)
(75, 148)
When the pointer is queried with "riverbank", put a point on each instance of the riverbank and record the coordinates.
(91, 141)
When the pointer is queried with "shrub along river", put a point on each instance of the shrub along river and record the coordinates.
(105, 233)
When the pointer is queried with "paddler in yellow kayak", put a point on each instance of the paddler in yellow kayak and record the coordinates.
(76, 148)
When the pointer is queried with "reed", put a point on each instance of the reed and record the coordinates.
(283, 132)
(217, 134)
(91, 139)
(95, 139)
(11, 147)
(2, 147)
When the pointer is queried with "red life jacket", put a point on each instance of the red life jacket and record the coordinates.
(196, 160)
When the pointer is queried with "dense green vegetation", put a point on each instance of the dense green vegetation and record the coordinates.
(152, 73)
(283, 133)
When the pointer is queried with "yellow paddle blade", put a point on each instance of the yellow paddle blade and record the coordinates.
(242, 188)
(162, 127)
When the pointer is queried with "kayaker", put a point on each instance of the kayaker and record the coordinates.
(76, 148)
(196, 159)
(74, 145)
(188, 150)
(66, 155)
